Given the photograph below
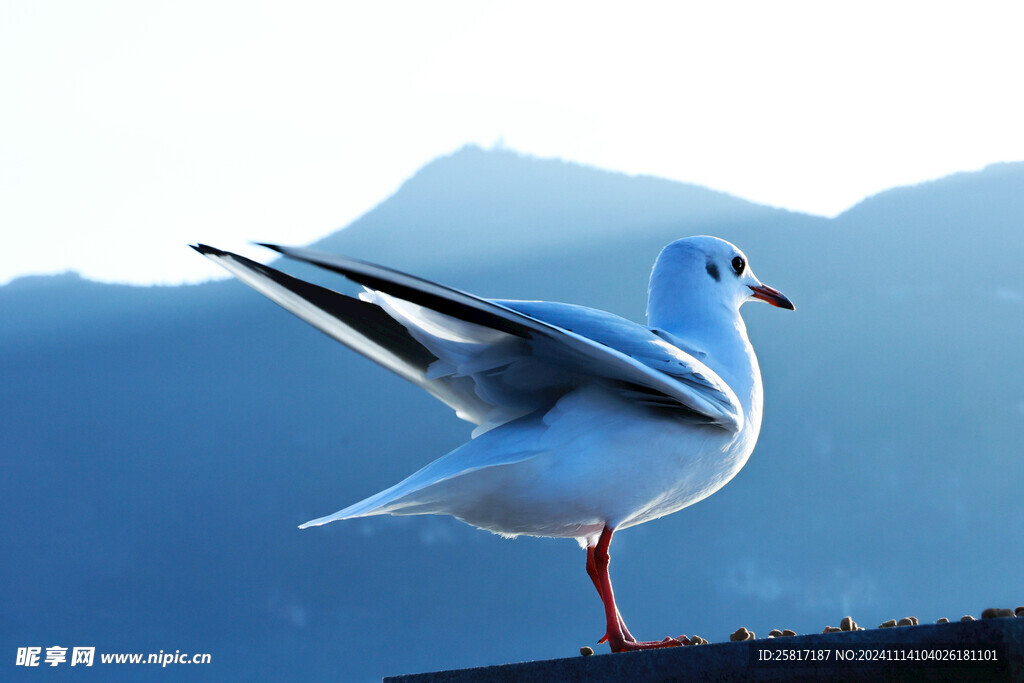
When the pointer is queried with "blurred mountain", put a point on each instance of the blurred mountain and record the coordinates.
(160, 444)
(478, 203)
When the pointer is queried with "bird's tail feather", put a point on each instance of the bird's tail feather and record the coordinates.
(432, 490)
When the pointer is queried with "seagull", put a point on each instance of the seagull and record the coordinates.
(586, 423)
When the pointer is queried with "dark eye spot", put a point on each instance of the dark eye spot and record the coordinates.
(738, 264)
(712, 270)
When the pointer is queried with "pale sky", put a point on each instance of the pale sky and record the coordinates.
(128, 129)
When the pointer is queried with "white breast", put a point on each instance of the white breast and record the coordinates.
(597, 459)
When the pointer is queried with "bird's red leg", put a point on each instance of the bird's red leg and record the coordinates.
(592, 571)
(616, 634)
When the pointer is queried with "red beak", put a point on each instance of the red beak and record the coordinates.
(772, 296)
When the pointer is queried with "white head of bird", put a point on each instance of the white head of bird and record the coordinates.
(702, 280)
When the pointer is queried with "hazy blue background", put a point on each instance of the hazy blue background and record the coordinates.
(160, 445)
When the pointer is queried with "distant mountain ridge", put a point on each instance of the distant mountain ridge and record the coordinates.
(509, 200)
(997, 178)
(408, 226)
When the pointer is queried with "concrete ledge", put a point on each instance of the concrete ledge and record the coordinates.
(987, 649)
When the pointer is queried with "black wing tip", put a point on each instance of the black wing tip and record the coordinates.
(317, 258)
(207, 250)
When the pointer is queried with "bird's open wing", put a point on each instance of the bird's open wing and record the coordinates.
(361, 326)
(498, 360)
